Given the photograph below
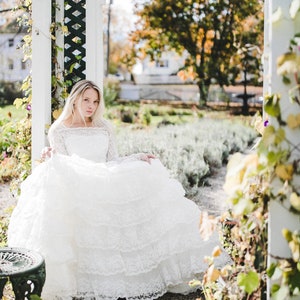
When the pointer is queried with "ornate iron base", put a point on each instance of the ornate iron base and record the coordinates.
(25, 269)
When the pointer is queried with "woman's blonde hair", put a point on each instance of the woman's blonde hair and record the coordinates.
(76, 95)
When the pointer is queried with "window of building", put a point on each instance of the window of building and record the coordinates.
(23, 65)
(162, 63)
(10, 42)
(10, 64)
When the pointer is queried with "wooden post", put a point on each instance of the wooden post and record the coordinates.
(41, 74)
(277, 37)
(94, 41)
(41, 61)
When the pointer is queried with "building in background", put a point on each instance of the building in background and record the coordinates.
(163, 70)
(13, 68)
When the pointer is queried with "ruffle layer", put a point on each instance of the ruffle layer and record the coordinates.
(109, 230)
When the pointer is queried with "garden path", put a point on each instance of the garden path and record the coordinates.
(210, 197)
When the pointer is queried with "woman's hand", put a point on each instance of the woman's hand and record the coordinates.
(46, 153)
(146, 157)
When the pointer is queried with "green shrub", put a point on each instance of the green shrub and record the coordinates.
(9, 91)
(189, 151)
(111, 90)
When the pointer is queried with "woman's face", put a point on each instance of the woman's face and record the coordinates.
(89, 104)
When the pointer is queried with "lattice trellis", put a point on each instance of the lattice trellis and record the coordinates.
(75, 40)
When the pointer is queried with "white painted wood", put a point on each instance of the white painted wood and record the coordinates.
(41, 74)
(94, 41)
(277, 38)
(280, 34)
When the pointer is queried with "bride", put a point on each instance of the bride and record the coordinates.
(108, 227)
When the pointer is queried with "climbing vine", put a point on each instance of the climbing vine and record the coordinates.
(20, 149)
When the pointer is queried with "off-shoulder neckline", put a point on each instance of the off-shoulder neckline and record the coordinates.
(80, 127)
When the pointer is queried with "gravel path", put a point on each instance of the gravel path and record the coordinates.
(210, 197)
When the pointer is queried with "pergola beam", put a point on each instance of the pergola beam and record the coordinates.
(41, 74)
(94, 41)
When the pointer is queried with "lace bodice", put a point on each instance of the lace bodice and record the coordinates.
(93, 143)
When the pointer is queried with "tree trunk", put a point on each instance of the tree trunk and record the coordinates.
(203, 92)
(245, 109)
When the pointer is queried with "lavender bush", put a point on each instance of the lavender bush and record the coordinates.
(189, 151)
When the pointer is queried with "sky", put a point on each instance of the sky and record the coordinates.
(125, 4)
(125, 21)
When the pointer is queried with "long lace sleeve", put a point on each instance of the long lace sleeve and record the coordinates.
(56, 141)
(112, 153)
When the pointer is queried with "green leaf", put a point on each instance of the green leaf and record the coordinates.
(286, 80)
(271, 270)
(268, 136)
(271, 106)
(249, 282)
(279, 136)
(281, 293)
(35, 297)
(274, 288)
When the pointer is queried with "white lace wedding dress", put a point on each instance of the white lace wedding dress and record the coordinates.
(108, 227)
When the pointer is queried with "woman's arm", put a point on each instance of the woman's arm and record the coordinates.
(56, 140)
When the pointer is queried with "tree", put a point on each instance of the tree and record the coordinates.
(246, 62)
(118, 47)
(206, 29)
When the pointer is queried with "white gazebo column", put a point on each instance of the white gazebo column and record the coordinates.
(42, 57)
(277, 38)
(94, 41)
(41, 74)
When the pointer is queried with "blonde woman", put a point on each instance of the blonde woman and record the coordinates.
(109, 227)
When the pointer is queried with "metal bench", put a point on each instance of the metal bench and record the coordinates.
(25, 269)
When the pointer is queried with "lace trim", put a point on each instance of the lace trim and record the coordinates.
(92, 296)
(57, 137)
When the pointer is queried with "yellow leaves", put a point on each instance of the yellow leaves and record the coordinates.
(56, 113)
(238, 169)
(295, 248)
(211, 275)
(272, 136)
(64, 29)
(293, 239)
(294, 8)
(258, 124)
(284, 172)
(186, 74)
(293, 121)
(288, 63)
(207, 225)
(27, 2)
(18, 102)
(195, 283)
(27, 38)
(216, 251)
(295, 201)
(287, 234)
(76, 40)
